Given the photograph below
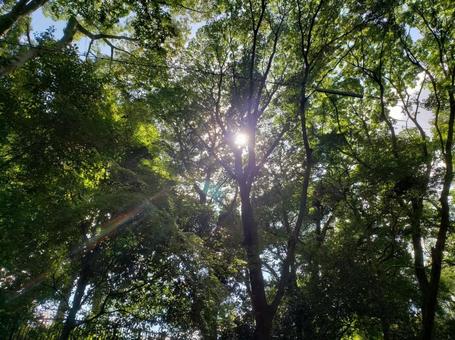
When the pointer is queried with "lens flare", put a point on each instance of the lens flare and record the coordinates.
(241, 139)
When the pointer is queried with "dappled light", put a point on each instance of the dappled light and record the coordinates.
(233, 170)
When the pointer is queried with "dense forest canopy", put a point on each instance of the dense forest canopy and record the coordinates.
(227, 169)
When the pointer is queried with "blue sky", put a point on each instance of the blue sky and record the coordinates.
(40, 23)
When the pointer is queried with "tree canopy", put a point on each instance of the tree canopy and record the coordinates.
(261, 169)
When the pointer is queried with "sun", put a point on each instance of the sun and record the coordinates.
(241, 139)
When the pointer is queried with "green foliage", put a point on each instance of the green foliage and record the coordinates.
(121, 180)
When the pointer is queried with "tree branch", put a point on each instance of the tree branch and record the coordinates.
(24, 56)
(20, 9)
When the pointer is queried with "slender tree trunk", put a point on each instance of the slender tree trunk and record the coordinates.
(70, 321)
(63, 304)
(419, 266)
(82, 282)
(437, 252)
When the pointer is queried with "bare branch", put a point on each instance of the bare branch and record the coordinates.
(271, 147)
(98, 36)
(23, 57)
(339, 92)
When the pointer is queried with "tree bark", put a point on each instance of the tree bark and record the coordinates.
(82, 282)
(416, 233)
(261, 310)
(70, 321)
(63, 304)
(22, 57)
(385, 328)
(20, 9)
(437, 252)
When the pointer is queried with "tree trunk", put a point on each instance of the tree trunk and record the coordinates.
(263, 329)
(63, 304)
(419, 266)
(20, 9)
(261, 310)
(70, 321)
(82, 282)
(385, 328)
(437, 252)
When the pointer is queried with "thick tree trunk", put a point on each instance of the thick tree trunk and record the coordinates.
(385, 328)
(20, 9)
(261, 309)
(263, 330)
